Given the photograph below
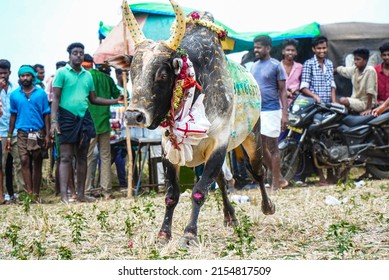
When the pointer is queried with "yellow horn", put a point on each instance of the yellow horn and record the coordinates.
(178, 29)
(132, 24)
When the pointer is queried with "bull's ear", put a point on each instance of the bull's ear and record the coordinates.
(177, 65)
(120, 61)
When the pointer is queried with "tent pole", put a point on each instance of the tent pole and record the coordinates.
(128, 136)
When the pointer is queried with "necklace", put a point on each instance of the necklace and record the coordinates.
(27, 93)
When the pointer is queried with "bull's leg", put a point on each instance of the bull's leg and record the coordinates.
(253, 148)
(211, 169)
(228, 209)
(171, 198)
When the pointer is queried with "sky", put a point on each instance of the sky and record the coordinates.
(39, 31)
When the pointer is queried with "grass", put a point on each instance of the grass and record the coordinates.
(304, 227)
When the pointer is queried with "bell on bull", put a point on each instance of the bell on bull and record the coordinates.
(205, 104)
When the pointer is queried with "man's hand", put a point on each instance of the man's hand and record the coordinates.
(47, 143)
(54, 129)
(3, 83)
(121, 99)
(284, 120)
(379, 110)
(366, 112)
(8, 144)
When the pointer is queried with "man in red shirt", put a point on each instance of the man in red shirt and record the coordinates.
(383, 74)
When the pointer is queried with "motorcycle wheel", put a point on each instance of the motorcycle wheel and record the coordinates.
(289, 168)
(378, 171)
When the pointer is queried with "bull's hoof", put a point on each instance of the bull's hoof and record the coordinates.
(164, 237)
(189, 239)
(230, 221)
(268, 208)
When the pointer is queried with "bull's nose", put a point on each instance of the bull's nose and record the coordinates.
(135, 118)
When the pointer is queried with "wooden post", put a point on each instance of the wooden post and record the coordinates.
(128, 135)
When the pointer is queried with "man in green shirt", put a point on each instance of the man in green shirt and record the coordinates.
(105, 87)
(73, 90)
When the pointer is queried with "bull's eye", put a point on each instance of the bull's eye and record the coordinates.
(161, 76)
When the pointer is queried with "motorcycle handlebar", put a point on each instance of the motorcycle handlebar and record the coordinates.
(332, 106)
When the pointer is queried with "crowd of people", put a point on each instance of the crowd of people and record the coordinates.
(280, 81)
(68, 116)
(33, 119)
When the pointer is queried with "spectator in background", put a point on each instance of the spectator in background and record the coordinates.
(73, 90)
(383, 74)
(271, 76)
(364, 81)
(88, 62)
(53, 152)
(6, 87)
(49, 81)
(292, 68)
(119, 152)
(105, 87)
(317, 81)
(30, 115)
(40, 75)
(293, 72)
(92, 181)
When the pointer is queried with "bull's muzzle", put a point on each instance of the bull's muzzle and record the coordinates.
(135, 118)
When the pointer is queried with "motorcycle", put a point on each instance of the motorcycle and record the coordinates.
(326, 136)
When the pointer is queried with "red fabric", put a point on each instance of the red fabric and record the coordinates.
(383, 84)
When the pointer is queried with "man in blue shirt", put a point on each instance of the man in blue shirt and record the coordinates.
(271, 76)
(30, 115)
(6, 87)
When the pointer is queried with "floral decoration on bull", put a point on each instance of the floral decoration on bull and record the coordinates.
(184, 81)
(196, 19)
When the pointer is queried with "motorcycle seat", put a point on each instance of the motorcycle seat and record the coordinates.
(354, 120)
(380, 119)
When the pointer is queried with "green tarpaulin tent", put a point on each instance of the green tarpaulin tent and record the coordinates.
(156, 19)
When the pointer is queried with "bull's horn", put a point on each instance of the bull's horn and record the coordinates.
(132, 25)
(178, 29)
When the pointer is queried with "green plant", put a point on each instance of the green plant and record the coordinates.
(342, 234)
(27, 199)
(218, 199)
(366, 196)
(154, 255)
(78, 222)
(102, 217)
(243, 240)
(136, 210)
(65, 253)
(129, 225)
(152, 194)
(19, 250)
(347, 185)
(149, 208)
(38, 249)
(12, 233)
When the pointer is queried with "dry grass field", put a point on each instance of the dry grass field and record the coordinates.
(304, 227)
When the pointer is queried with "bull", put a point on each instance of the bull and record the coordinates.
(205, 104)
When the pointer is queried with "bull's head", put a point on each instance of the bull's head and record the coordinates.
(152, 72)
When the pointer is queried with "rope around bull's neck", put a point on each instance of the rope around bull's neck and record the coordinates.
(185, 80)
